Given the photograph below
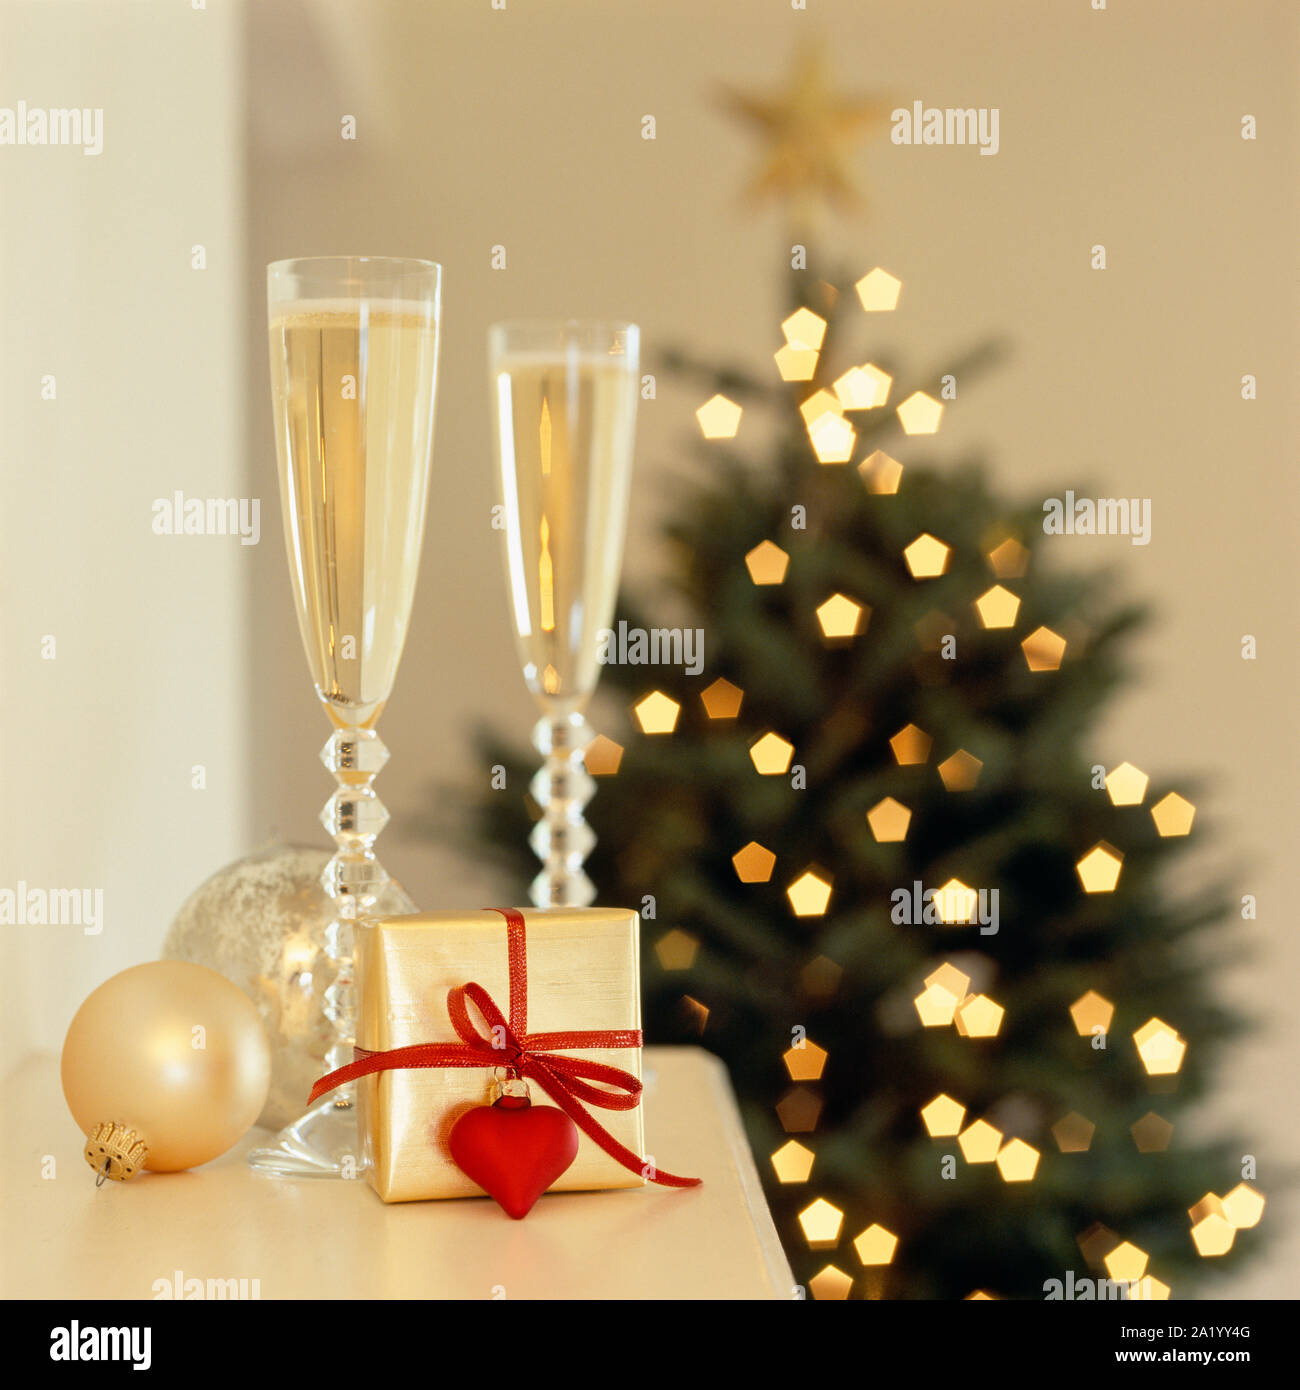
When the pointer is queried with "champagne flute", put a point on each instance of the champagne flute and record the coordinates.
(564, 412)
(354, 359)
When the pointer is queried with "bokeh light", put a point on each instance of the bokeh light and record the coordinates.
(997, 607)
(799, 1110)
(979, 1017)
(809, 894)
(1073, 1133)
(948, 977)
(719, 418)
(753, 863)
(821, 1222)
(955, 903)
(1098, 870)
(830, 1284)
(771, 754)
(935, 1006)
(767, 563)
(804, 329)
(1213, 1235)
(1126, 1262)
(1044, 649)
(1159, 1047)
(880, 473)
(1173, 815)
(1243, 1206)
(1009, 559)
(1090, 1011)
(943, 1117)
(602, 756)
(821, 977)
(1151, 1133)
(920, 414)
(1126, 785)
(927, 557)
(677, 949)
(833, 439)
(910, 745)
(796, 363)
(841, 618)
(878, 290)
(961, 771)
(721, 700)
(695, 1014)
(657, 713)
(819, 405)
(793, 1162)
(863, 388)
(1017, 1161)
(876, 1245)
(980, 1142)
(805, 1063)
(889, 820)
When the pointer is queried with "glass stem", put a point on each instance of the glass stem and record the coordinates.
(353, 879)
(562, 839)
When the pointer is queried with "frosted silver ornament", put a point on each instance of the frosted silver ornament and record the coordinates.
(260, 922)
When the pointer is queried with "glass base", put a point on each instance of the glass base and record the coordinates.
(322, 1143)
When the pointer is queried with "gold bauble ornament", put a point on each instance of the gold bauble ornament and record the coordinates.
(261, 922)
(165, 1066)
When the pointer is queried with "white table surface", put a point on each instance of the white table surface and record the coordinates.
(313, 1238)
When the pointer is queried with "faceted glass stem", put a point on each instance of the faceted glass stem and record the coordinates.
(323, 1142)
(562, 839)
(354, 878)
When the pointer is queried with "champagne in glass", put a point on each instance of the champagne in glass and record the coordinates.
(354, 354)
(353, 393)
(564, 406)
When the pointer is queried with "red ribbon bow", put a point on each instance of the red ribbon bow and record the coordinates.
(509, 1044)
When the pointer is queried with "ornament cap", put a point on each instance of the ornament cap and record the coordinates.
(114, 1151)
(510, 1093)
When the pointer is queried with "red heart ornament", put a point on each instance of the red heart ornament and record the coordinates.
(514, 1153)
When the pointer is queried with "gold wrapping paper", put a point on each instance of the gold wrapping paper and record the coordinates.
(583, 973)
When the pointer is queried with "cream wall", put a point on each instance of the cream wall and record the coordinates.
(149, 671)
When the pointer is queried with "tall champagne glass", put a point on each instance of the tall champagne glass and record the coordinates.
(564, 411)
(354, 358)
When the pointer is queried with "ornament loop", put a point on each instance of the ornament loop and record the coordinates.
(114, 1151)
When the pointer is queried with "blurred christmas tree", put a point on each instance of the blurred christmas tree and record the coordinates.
(897, 698)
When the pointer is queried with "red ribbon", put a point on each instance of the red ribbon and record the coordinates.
(509, 1044)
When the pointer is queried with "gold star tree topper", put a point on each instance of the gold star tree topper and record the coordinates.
(809, 131)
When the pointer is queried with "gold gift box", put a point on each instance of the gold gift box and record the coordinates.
(583, 970)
